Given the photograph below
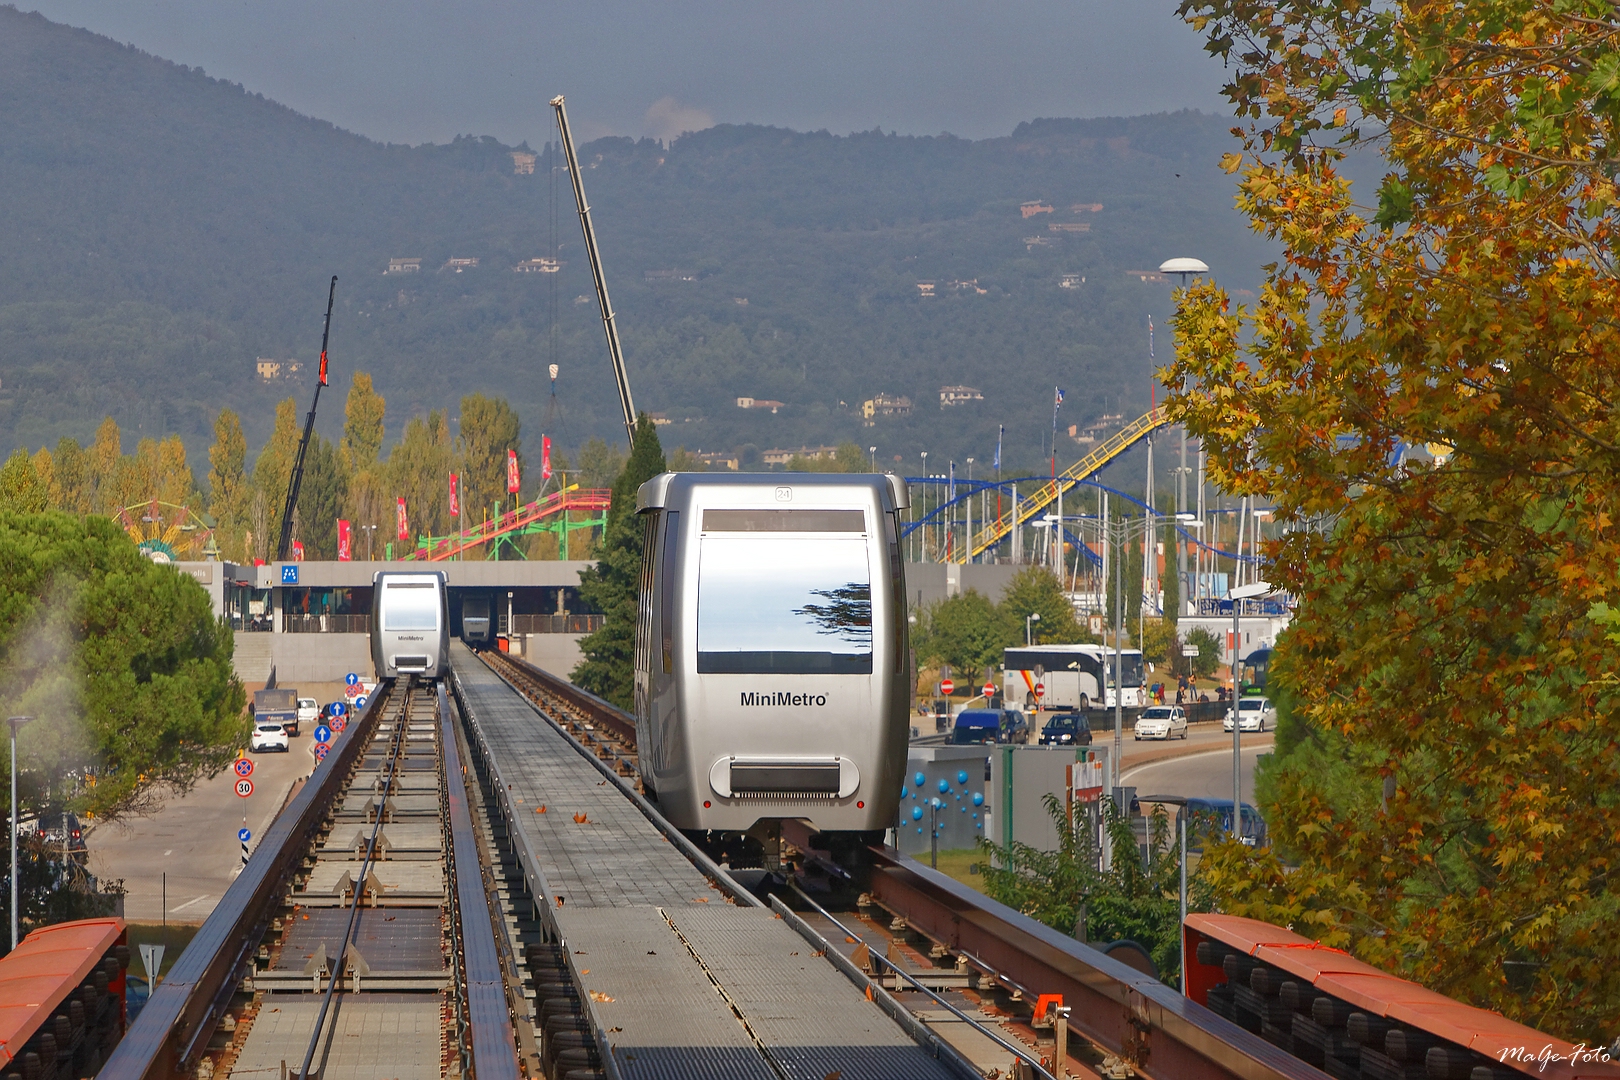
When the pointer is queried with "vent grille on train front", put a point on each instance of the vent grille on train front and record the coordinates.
(810, 780)
(411, 663)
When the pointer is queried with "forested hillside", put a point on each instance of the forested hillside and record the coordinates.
(163, 230)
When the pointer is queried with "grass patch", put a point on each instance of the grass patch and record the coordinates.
(174, 941)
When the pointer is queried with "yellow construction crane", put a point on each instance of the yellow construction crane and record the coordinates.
(1115, 445)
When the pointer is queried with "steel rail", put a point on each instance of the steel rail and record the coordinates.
(1022, 1053)
(175, 1025)
(401, 725)
(1148, 1025)
(494, 1046)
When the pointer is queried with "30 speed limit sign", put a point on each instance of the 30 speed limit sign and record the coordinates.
(244, 787)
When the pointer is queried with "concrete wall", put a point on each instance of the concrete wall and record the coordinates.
(961, 820)
(1020, 778)
(302, 657)
(556, 653)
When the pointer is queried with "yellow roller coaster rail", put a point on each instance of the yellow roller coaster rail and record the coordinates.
(1115, 445)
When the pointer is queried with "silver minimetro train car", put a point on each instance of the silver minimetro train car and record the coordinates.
(771, 650)
(410, 624)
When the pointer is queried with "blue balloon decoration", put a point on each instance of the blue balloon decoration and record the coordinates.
(903, 791)
(978, 798)
(920, 779)
(916, 813)
(944, 786)
(961, 776)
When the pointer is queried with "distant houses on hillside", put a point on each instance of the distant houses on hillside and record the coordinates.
(458, 265)
(670, 275)
(538, 266)
(403, 266)
(958, 395)
(808, 453)
(1030, 209)
(270, 370)
(523, 163)
(884, 405)
(760, 403)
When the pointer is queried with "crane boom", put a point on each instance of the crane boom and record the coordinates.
(611, 328)
(296, 481)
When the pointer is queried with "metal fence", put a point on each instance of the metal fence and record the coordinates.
(556, 624)
(326, 624)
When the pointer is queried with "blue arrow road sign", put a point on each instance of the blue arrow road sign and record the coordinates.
(323, 734)
(243, 835)
(360, 702)
(351, 679)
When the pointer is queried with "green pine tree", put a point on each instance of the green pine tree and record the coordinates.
(608, 669)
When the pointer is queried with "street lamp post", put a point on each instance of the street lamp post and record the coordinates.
(873, 451)
(369, 530)
(1239, 594)
(15, 723)
(1032, 617)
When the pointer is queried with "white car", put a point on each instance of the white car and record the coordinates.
(268, 737)
(309, 712)
(1254, 714)
(1161, 722)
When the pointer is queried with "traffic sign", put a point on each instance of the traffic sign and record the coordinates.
(360, 702)
(946, 687)
(338, 708)
(243, 835)
(152, 961)
(244, 787)
(353, 691)
(323, 734)
(289, 574)
(1040, 690)
(351, 679)
(321, 750)
(243, 767)
(338, 724)
(989, 690)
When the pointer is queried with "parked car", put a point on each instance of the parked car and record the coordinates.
(1014, 727)
(268, 737)
(1161, 722)
(975, 727)
(1254, 714)
(309, 711)
(56, 828)
(1206, 814)
(1066, 729)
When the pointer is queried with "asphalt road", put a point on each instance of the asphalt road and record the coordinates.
(192, 839)
(1201, 774)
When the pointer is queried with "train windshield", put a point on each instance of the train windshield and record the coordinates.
(409, 605)
(784, 605)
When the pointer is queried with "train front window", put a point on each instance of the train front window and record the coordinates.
(784, 605)
(410, 606)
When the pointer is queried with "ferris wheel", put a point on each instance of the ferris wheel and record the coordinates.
(167, 533)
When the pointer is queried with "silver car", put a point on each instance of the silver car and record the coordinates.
(1161, 722)
(1254, 714)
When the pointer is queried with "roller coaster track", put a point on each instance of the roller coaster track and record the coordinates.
(1115, 445)
(440, 548)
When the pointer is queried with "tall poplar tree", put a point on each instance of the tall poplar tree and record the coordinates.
(611, 586)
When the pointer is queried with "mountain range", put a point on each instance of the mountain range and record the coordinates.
(166, 231)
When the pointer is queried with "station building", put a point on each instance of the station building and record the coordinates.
(311, 621)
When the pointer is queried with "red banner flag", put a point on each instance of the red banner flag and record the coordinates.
(455, 497)
(403, 523)
(545, 457)
(298, 551)
(323, 367)
(343, 541)
(513, 483)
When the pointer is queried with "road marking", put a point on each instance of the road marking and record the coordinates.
(1128, 773)
(189, 903)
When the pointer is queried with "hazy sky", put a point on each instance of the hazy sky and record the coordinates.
(418, 70)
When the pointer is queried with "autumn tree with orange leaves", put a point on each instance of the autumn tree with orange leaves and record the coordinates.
(1426, 389)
